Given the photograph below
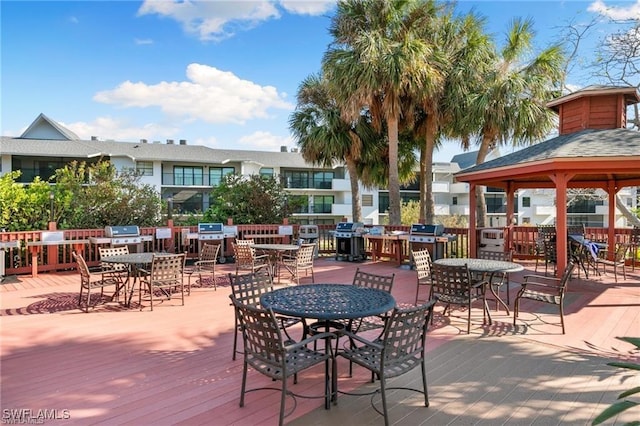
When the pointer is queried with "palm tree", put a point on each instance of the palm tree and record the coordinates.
(460, 48)
(325, 138)
(376, 60)
(509, 104)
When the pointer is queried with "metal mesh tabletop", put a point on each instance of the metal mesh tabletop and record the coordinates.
(328, 301)
(482, 265)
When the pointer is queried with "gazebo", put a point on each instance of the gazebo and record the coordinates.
(594, 149)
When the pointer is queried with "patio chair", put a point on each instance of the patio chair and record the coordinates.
(165, 278)
(498, 280)
(619, 261)
(247, 259)
(247, 289)
(550, 255)
(93, 281)
(118, 271)
(268, 353)
(422, 263)
(400, 349)
(542, 288)
(299, 262)
(205, 265)
(452, 285)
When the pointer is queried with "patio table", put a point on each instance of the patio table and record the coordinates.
(488, 266)
(135, 261)
(275, 251)
(328, 302)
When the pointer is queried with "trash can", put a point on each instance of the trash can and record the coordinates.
(308, 234)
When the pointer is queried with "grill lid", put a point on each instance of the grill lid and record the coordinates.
(121, 231)
(348, 226)
(422, 229)
(210, 228)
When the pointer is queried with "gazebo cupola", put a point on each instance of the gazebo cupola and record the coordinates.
(594, 107)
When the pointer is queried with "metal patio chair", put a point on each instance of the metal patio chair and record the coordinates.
(205, 265)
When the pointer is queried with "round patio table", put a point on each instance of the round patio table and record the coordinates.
(328, 302)
(488, 266)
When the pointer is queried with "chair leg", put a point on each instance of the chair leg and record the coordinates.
(383, 393)
(283, 399)
(424, 383)
(562, 316)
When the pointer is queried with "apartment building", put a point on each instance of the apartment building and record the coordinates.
(186, 173)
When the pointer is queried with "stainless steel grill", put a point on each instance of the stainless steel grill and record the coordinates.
(122, 236)
(431, 237)
(350, 241)
(212, 233)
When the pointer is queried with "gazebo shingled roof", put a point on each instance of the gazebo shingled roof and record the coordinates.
(599, 155)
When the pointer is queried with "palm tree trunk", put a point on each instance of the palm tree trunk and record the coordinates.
(394, 180)
(426, 180)
(481, 203)
(356, 205)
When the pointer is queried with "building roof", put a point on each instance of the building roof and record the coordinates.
(608, 153)
(466, 159)
(631, 94)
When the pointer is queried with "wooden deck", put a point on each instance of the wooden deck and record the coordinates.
(117, 365)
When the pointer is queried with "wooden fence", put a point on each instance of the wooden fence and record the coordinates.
(59, 257)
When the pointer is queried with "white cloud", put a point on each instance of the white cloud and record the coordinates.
(141, 42)
(617, 13)
(212, 20)
(217, 20)
(308, 7)
(210, 95)
(264, 141)
(107, 128)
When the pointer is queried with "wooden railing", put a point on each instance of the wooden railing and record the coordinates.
(59, 257)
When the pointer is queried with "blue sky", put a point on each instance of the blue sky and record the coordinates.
(217, 73)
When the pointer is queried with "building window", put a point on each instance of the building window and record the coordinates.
(454, 201)
(187, 175)
(322, 203)
(267, 172)
(495, 203)
(296, 179)
(367, 200)
(526, 201)
(526, 220)
(322, 180)
(216, 174)
(144, 168)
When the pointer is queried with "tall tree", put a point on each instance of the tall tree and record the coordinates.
(325, 138)
(375, 60)
(510, 104)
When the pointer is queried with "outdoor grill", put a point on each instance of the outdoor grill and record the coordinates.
(350, 241)
(128, 235)
(430, 237)
(212, 233)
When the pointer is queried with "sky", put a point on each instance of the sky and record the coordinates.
(218, 73)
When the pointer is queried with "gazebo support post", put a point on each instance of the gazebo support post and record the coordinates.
(560, 180)
(473, 235)
(612, 190)
(510, 216)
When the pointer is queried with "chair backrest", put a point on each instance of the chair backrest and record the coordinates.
(244, 242)
(85, 275)
(453, 280)
(167, 269)
(380, 282)
(112, 251)
(247, 288)
(210, 252)
(304, 256)
(566, 275)
(550, 250)
(506, 256)
(546, 232)
(422, 262)
(244, 254)
(404, 338)
(263, 341)
(621, 252)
